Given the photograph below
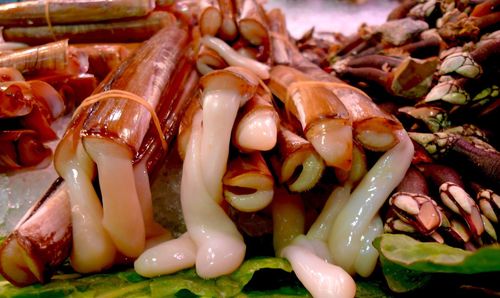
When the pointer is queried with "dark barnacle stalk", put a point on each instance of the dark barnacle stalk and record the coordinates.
(414, 182)
(412, 78)
(375, 61)
(437, 174)
(434, 118)
(424, 48)
(485, 7)
(487, 37)
(354, 45)
(402, 10)
(468, 130)
(481, 161)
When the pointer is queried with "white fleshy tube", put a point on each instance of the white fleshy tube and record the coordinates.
(320, 278)
(219, 112)
(234, 58)
(224, 92)
(321, 227)
(257, 131)
(221, 249)
(344, 240)
(114, 165)
(143, 188)
(167, 257)
(366, 261)
(93, 249)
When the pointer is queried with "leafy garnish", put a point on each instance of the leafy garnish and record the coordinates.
(400, 279)
(183, 284)
(435, 257)
(409, 264)
(373, 287)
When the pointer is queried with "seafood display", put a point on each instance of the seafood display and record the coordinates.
(341, 159)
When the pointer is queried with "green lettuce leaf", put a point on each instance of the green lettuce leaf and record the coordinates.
(245, 282)
(400, 279)
(434, 257)
(409, 264)
(373, 287)
(183, 284)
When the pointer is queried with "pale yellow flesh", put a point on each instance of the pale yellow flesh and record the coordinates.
(366, 261)
(253, 180)
(345, 235)
(210, 21)
(288, 219)
(333, 142)
(249, 202)
(257, 131)
(321, 227)
(376, 140)
(312, 169)
(253, 31)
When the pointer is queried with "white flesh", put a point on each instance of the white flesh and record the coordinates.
(92, 250)
(257, 131)
(366, 261)
(122, 216)
(234, 58)
(167, 257)
(288, 219)
(312, 169)
(321, 227)
(320, 278)
(365, 201)
(144, 194)
(331, 141)
(221, 249)
(203, 68)
(219, 113)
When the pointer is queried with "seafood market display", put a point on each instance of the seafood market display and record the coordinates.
(342, 159)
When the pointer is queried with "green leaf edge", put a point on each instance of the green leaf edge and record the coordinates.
(431, 257)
